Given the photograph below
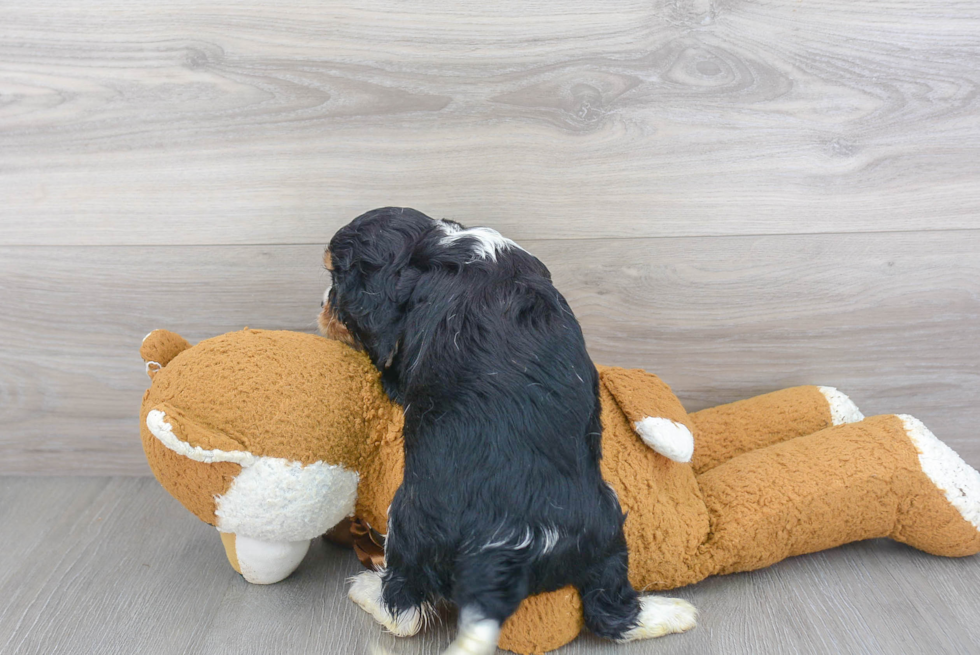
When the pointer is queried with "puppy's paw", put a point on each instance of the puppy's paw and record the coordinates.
(365, 591)
(661, 616)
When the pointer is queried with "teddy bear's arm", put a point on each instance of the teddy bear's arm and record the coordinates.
(654, 412)
(727, 431)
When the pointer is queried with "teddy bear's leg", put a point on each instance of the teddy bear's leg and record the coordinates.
(885, 476)
(926, 519)
(263, 562)
(729, 430)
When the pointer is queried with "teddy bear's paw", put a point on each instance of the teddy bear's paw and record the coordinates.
(365, 591)
(661, 616)
(842, 409)
(671, 439)
(958, 481)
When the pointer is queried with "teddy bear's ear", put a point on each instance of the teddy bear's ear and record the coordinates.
(653, 410)
(193, 439)
(159, 347)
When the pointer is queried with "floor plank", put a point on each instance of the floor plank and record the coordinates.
(890, 319)
(114, 565)
(244, 123)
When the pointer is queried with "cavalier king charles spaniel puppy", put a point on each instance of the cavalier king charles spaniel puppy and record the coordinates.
(502, 495)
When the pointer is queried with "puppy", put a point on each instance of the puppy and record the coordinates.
(502, 495)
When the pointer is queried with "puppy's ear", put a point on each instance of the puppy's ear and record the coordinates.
(390, 315)
(402, 284)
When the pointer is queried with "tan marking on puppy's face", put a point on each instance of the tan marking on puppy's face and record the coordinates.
(330, 326)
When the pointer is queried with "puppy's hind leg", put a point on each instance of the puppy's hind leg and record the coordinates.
(477, 634)
(614, 610)
(397, 597)
(393, 603)
(489, 586)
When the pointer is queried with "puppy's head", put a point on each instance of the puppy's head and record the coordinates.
(373, 270)
(330, 325)
(378, 259)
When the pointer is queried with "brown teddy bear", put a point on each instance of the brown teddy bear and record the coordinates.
(276, 437)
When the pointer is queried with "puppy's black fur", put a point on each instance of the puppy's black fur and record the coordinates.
(502, 495)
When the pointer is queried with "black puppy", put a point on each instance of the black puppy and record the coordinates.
(502, 495)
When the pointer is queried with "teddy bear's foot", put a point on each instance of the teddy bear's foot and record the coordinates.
(365, 591)
(661, 616)
(942, 512)
(842, 408)
(263, 562)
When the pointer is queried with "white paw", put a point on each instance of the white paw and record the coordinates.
(842, 409)
(671, 439)
(661, 616)
(365, 591)
(477, 636)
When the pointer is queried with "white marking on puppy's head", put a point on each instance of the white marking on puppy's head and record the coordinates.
(487, 242)
(447, 226)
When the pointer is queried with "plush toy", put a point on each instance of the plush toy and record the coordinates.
(276, 437)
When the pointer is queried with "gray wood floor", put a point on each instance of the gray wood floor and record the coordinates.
(114, 565)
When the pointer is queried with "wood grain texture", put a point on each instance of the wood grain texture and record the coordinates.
(117, 566)
(891, 319)
(250, 123)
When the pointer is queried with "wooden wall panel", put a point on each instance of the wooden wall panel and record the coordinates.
(891, 319)
(254, 123)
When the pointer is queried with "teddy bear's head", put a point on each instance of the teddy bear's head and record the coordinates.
(263, 434)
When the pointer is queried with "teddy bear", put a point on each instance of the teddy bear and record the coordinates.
(277, 437)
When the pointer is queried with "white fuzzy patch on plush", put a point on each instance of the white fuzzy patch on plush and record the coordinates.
(157, 424)
(661, 616)
(365, 591)
(958, 481)
(487, 241)
(842, 409)
(274, 499)
(268, 562)
(671, 439)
